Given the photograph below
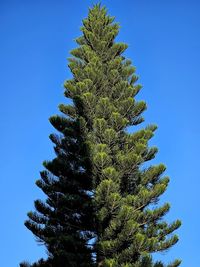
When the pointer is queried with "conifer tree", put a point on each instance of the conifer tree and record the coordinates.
(102, 206)
(127, 228)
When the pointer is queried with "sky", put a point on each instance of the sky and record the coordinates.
(164, 45)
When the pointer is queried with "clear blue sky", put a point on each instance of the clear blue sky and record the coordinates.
(164, 44)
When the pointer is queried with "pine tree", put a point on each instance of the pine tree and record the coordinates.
(102, 204)
(129, 224)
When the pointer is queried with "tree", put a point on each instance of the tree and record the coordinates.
(104, 195)
(127, 227)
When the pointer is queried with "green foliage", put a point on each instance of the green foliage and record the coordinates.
(126, 224)
(97, 186)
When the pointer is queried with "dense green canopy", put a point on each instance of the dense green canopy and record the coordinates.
(102, 199)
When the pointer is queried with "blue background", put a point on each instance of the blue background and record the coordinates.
(164, 44)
